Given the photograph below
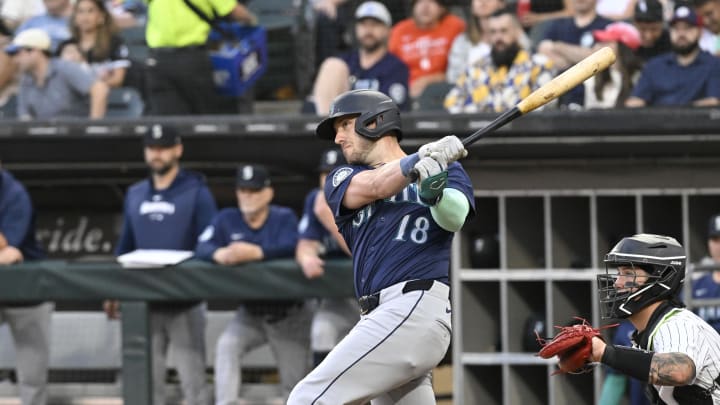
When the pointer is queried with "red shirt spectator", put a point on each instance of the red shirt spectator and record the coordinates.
(423, 42)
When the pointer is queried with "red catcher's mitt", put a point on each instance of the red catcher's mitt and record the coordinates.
(573, 346)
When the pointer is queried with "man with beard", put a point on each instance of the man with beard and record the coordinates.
(686, 76)
(256, 230)
(169, 210)
(497, 83)
(370, 66)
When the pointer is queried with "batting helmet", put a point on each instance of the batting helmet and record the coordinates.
(370, 106)
(662, 257)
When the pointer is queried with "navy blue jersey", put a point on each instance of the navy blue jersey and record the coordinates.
(565, 30)
(706, 287)
(389, 76)
(310, 228)
(166, 219)
(277, 236)
(395, 239)
(17, 217)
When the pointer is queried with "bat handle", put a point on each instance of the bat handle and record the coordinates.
(498, 122)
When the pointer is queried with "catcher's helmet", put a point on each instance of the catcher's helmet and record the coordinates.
(662, 257)
(369, 106)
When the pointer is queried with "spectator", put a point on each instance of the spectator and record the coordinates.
(29, 323)
(709, 10)
(472, 45)
(537, 15)
(180, 75)
(708, 286)
(371, 66)
(332, 19)
(319, 238)
(686, 76)
(257, 230)
(93, 30)
(15, 12)
(423, 42)
(569, 40)
(169, 210)
(51, 88)
(54, 21)
(611, 87)
(509, 75)
(654, 37)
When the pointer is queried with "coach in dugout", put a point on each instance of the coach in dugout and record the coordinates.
(29, 323)
(686, 76)
(169, 210)
(50, 87)
(257, 230)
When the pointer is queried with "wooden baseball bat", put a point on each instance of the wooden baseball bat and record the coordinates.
(581, 71)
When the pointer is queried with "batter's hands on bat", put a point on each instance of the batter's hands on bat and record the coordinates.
(447, 150)
(428, 167)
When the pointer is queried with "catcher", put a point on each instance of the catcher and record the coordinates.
(675, 351)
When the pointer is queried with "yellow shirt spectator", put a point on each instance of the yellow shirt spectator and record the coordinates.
(178, 25)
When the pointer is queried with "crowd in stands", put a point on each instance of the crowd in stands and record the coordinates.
(417, 52)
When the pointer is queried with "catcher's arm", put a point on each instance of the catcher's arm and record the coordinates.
(669, 369)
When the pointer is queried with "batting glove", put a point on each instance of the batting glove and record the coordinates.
(447, 150)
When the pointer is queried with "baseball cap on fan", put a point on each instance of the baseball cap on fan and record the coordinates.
(161, 135)
(33, 38)
(686, 14)
(254, 177)
(714, 226)
(648, 11)
(374, 10)
(621, 32)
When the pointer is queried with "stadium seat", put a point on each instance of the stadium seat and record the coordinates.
(432, 97)
(124, 102)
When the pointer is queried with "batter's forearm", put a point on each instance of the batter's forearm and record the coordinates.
(372, 185)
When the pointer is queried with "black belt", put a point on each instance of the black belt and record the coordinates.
(370, 302)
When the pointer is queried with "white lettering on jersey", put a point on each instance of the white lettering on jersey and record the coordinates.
(236, 236)
(207, 234)
(341, 175)
(157, 207)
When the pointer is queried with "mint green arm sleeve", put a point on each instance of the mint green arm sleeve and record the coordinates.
(613, 389)
(451, 211)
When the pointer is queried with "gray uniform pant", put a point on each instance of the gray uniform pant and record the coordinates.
(388, 356)
(30, 329)
(289, 339)
(333, 319)
(185, 330)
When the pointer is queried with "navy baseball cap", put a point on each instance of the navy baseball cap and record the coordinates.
(714, 226)
(687, 14)
(648, 11)
(253, 177)
(331, 159)
(161, 135)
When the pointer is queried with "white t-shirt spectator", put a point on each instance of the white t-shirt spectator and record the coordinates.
(20, 10)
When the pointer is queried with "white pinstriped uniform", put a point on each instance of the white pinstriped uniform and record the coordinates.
(682, 331)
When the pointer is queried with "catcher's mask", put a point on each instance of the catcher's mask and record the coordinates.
(662, 260)
(369, 106)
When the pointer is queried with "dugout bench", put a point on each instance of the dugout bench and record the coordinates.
(136, 288)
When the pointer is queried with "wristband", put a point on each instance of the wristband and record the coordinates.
(629, 361)
(408, 163)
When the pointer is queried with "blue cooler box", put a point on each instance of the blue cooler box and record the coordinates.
(238, 63)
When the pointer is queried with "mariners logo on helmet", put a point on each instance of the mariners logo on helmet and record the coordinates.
(370, 107)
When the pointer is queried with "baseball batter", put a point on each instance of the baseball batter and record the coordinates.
(676, 352)
(400, 234)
